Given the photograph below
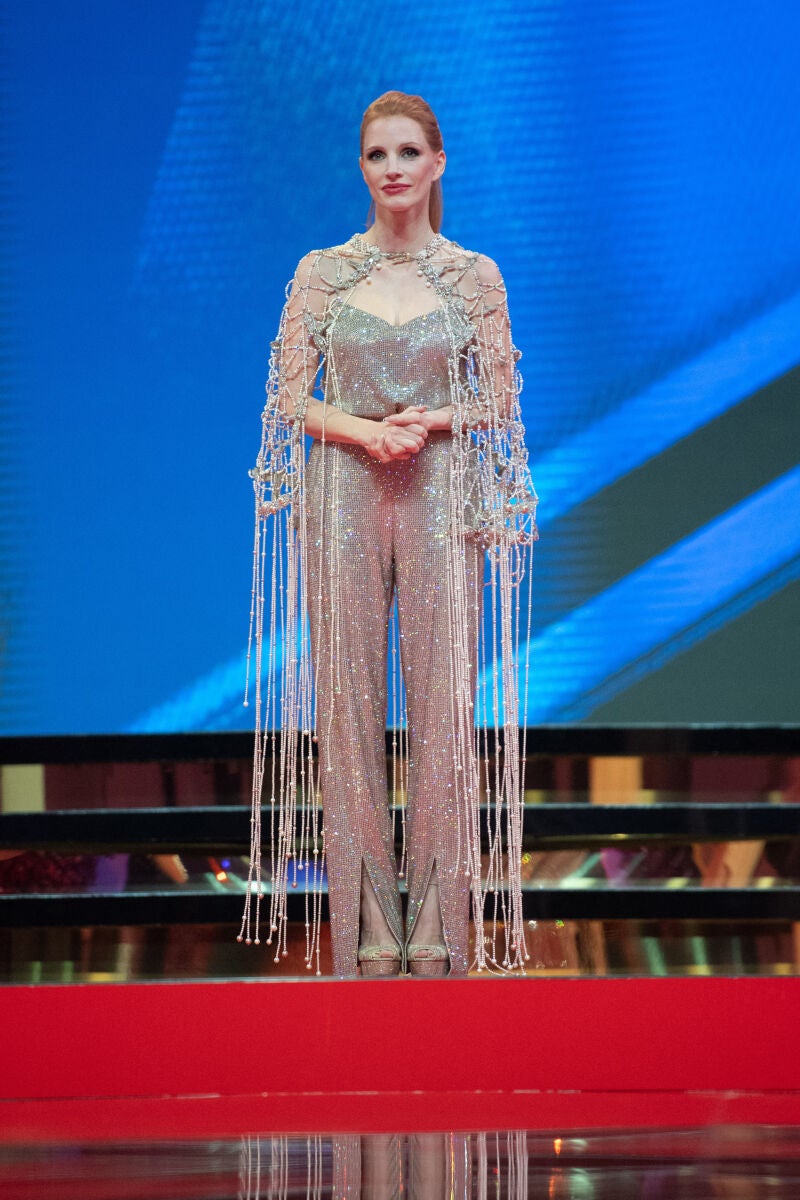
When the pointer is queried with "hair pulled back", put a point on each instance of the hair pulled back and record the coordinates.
(401, 104)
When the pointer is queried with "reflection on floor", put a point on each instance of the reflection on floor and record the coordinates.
(740, 1162)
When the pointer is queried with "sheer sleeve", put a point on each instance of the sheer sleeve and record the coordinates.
(487, 420)
(293, 369)
(497, 379)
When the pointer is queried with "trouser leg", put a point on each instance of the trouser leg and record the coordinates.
(350, 592)
(441, 797)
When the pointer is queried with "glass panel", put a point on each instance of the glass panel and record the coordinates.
(562, 778)
(758, 864)
(119, 954)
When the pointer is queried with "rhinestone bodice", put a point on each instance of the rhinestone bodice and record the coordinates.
(383, 368)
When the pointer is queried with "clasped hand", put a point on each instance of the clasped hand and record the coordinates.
(401, 435)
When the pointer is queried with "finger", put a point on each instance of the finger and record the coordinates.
(407, 417)
(408, 441)
(415, 429)
(399, 419)
(404, 451)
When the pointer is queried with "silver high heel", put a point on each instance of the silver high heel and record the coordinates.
(432, 961)
(379, 961)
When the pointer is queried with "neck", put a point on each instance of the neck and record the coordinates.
(400, 232)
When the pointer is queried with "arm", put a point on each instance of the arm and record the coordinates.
(495, 357)
(380, 439)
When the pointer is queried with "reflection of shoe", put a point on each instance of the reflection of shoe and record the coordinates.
(379, 960)
(428, 960)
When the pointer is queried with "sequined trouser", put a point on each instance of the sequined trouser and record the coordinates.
(375, 530)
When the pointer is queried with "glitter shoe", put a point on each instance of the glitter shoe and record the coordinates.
(376, 961)
(433, 961)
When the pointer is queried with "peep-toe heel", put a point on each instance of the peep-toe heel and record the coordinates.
(379, 961)
(432, 961)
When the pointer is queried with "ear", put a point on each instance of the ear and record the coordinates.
(441, 161)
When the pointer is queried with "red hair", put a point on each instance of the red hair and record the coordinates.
(400, 104)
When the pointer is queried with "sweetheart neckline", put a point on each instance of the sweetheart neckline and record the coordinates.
(390, 324)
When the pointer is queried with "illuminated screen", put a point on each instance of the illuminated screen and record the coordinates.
(632, 165)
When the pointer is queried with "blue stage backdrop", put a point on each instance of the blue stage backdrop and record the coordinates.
(633, 167)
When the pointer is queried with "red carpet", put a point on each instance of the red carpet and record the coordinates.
(103, 1060)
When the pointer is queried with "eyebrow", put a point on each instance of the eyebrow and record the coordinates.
(403, 146)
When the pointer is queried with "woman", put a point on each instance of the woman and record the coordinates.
(417, 472)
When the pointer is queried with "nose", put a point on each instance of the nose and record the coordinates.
(394, 172)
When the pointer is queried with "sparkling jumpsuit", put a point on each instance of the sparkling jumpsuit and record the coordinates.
(374, 530)
(337, 537)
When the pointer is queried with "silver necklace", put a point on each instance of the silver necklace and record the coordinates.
(375, 257)
(376, 254)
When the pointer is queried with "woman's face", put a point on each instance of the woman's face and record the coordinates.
(397, 163)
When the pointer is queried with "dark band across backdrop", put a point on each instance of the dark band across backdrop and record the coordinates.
(633, 167)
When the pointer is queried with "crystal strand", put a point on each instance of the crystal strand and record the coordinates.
(462, 602)
(254, 869)
(455, 587)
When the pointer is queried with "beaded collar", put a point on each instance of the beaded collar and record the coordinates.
(376, 255)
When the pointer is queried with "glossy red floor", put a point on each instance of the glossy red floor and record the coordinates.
(114, 1062)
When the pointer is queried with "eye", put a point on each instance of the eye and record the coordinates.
(374, 155)
(411, 152)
